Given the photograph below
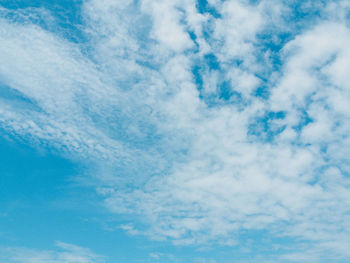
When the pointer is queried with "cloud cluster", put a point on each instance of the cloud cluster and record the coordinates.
(211, 120)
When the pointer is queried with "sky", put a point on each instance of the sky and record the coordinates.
(169, 131)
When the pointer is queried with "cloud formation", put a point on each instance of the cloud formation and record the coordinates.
(211, 120)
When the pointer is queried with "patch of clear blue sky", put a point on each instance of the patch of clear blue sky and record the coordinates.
(40, 204)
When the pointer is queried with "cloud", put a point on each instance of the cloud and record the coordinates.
(164, 99)
(65, 253)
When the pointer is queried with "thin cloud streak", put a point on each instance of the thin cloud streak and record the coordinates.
(65, 253)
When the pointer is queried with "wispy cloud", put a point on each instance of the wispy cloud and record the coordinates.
(65, 253)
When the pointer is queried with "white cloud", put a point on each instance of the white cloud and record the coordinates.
(238, 28)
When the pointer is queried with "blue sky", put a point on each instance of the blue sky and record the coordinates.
(174, 131)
